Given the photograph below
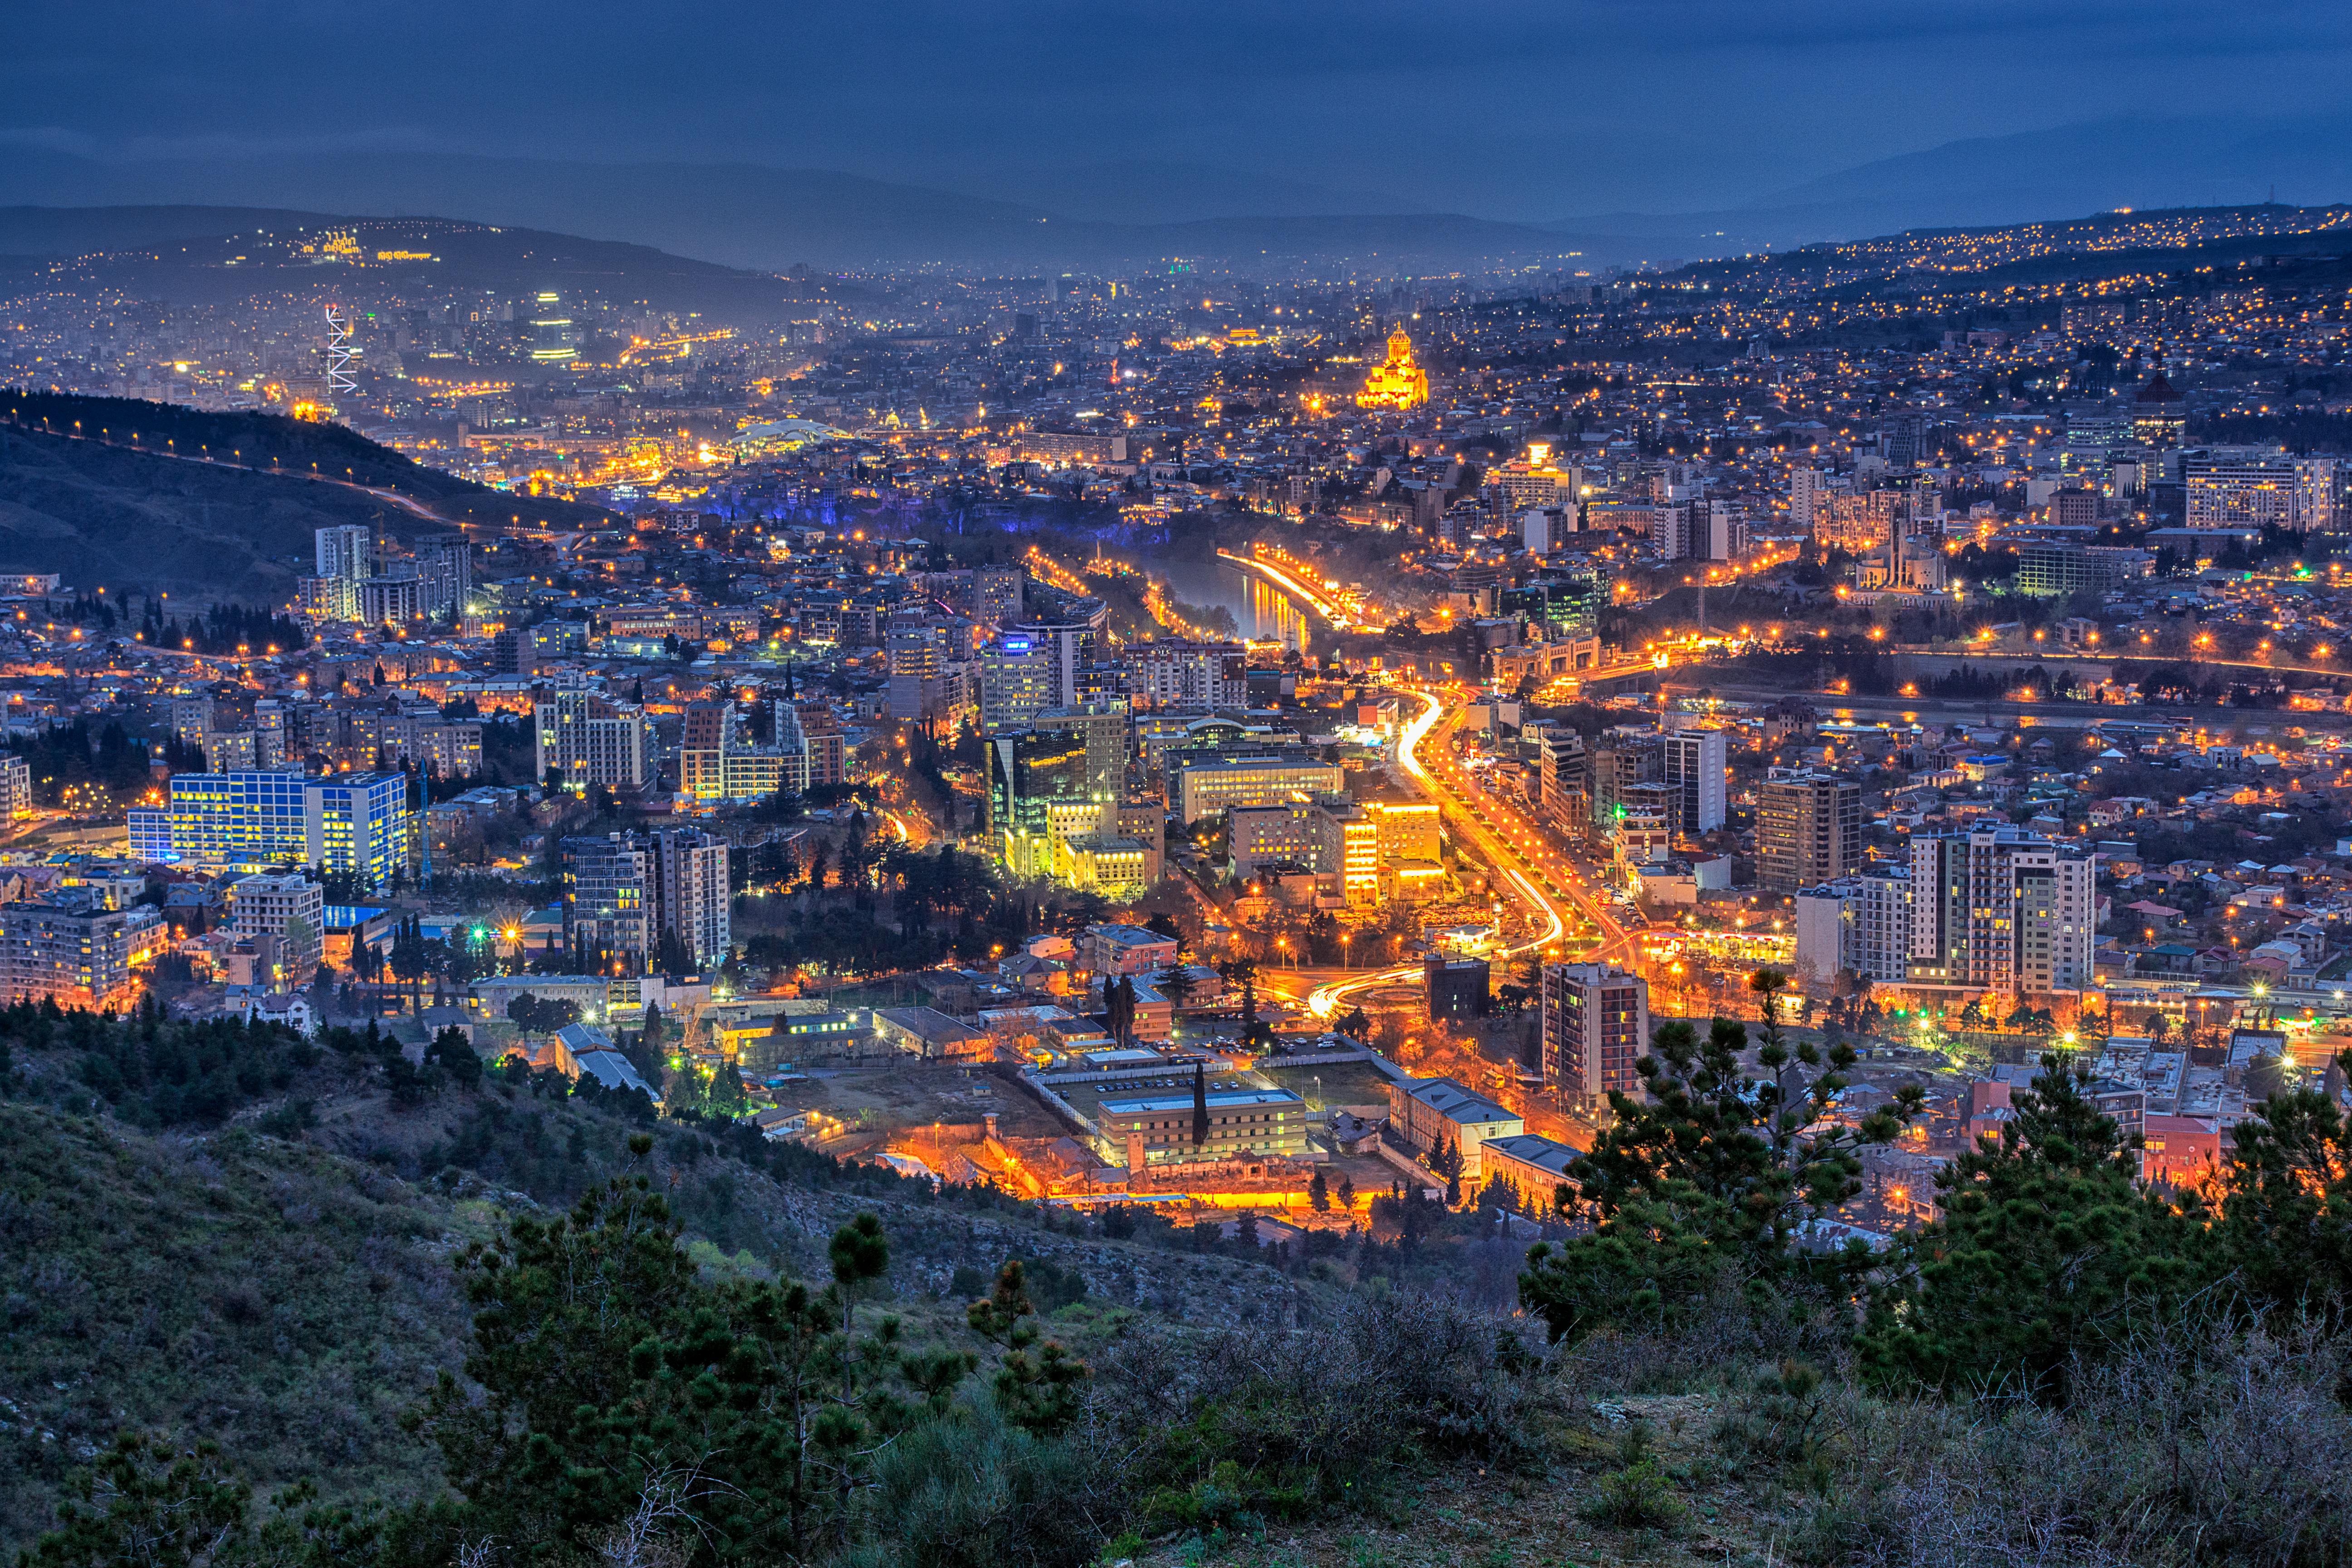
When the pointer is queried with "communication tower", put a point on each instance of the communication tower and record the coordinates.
(339, 355)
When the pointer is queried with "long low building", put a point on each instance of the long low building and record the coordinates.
(1427, 1112)
(928, 1033)
(1241, 1121)
(1533, 1163)
(1206, 787)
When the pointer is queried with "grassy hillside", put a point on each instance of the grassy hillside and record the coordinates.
(271, 1296)
(214, 1232)
(731, 1351)
(97, 489)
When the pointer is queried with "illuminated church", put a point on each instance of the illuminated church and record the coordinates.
(1397, 383)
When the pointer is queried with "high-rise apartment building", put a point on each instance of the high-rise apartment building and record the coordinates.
(1564, 784)
(1994, 910)
(1614, 766)
(1696, 763)
(1176, 674)
(1806, 488)
(997, 593)
(1595, 1026)
(346, 559)
(16, 787)
(818, 736)
(605, 900)
(2002, 909)
(914, 674)
(719, 760)
(2230, 488)
(1068, 644)
(1016, 681)
(1859, 924)
(592, 741)
(692, 898)
(287, 906)
(76, 957)
(393, 598)
(346, 552)
(1808, 830)
(444, 568)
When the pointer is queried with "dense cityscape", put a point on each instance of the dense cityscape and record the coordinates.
(1720, 883)
(862, 711)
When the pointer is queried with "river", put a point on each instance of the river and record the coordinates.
(1263, 612)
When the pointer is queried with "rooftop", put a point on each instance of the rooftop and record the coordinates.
(1222, 1099)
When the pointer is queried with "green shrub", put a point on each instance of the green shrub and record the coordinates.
(973, 1490)
(1638, 1497)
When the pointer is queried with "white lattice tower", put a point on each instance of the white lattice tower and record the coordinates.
(339, 355)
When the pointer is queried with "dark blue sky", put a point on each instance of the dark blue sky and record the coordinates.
(1507, 108)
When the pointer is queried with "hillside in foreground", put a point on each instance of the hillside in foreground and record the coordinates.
(233, 1238)
(266, 1295)
(537, 1325)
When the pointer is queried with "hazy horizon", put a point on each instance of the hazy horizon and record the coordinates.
(1499, 108)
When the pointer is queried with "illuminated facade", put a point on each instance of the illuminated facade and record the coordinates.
(1398, 381)
(1241, 1121)
(1215, 784)
(76, 958)
(1596, 1025)
(356, 824)
(718, 762)
(1348, 854)
(1039, 789)
(605, 905)
(592, 741)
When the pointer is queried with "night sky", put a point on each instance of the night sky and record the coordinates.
(1503, 108)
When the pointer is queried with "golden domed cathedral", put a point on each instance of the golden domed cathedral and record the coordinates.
(1398, 382)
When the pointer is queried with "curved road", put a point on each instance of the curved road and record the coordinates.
(1530, 866)
(389, 497)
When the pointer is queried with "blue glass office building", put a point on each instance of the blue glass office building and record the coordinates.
(358, 823)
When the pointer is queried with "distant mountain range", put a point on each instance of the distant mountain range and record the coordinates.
(1130, 215)
(766, 218)
(2070, 171)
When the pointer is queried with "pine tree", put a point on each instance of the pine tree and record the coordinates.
(2285, 1230)
(1318, 1192)
(2048, 1248)
(1707, 1179)
(1176, 984)
(1199, 1106)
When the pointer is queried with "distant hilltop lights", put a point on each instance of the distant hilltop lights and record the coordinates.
(1396, 383)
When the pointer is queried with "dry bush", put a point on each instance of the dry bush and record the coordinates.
(1717, 1338)
(2198, 1443)
(1280, 1423)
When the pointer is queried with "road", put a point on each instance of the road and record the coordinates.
(389, 496)
(1977, 711)
(1514, 841)
(1535, 870)
(1306, 597)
